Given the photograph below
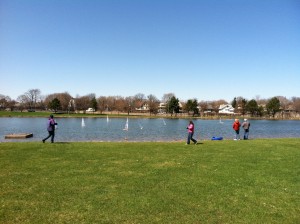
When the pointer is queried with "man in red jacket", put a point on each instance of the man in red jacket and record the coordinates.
(236, 127)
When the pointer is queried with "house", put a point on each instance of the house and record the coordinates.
(162, 108)
(226, 109)
(143, 108)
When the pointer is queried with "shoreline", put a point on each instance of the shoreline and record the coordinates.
(39, 114)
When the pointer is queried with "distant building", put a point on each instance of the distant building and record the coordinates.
(143, 108)
(226, 109)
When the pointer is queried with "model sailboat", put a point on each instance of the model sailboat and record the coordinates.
(126, 125)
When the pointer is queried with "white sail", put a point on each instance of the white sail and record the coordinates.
(82, 123)
(126, 125)
(141, 127)
(107, 119)
(164, 122)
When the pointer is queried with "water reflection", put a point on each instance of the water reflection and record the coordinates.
(103, 129)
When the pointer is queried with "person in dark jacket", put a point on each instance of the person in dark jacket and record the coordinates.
(246, 126)
(50, 128)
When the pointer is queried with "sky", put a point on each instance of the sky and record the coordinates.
(196, 49)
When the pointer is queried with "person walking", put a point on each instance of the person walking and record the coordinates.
(236, 127)
(191, 128)
(246, 126)
(50, 128)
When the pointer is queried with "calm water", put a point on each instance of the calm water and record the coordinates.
(99, 129)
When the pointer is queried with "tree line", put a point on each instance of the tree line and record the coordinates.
(33, 100)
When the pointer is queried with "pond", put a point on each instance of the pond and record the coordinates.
(144, 129)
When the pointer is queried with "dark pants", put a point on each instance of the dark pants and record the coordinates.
(246, 134)
(51, 134)
(190, 137)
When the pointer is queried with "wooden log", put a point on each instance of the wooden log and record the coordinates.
(19, 135)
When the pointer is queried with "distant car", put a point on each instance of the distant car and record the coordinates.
(90, 110)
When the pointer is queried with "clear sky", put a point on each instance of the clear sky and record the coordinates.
(203, 49)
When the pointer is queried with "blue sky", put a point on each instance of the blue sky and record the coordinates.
(207, 50)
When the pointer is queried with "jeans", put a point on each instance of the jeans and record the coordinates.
(51, 134)
(190, 137)
(246, 134)
(237, 134)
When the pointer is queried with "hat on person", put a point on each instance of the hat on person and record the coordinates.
(245, 119)
(51, 115)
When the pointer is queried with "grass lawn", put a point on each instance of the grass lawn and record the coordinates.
(255, 181)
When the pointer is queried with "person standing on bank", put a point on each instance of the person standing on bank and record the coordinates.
(51, 129)
(191, 128)
(236, 127)
(246, 126)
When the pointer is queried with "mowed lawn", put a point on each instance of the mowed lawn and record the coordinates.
(254, 181)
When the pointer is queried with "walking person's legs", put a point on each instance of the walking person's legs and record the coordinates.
(52, 138)
(189, 138)
(194, 140)
(51, 134)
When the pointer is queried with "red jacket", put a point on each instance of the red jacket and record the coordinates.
(236, 125)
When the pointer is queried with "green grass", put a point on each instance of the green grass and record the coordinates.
(255, 181)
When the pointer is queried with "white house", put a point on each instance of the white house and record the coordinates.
(144, 107)
(226, 109)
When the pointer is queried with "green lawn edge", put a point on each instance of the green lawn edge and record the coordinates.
(254, 181)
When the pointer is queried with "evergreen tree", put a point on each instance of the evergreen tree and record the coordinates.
(192, 105)
(243, 106)
(54, 104)
(94, 103)
(233, 103)
(273, 106)
(252, 107)
(173, 105)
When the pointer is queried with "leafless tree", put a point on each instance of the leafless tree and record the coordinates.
(111, 103)
(84, 102)
(296, 103)
(203, 106)
(153, 104)
(33, 96)
(5, 102)
(167, 96)
(138, 100)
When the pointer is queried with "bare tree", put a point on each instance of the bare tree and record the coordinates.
(167, 97)
(33, 95)
(22, 102)
(111, 103)
(296, 103)
(84, 102)
(120, 104)
(153, 104)
(102, 104)
(203, 106)
(4, 102)
(138, 100)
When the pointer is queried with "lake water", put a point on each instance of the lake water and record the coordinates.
(100, 129)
